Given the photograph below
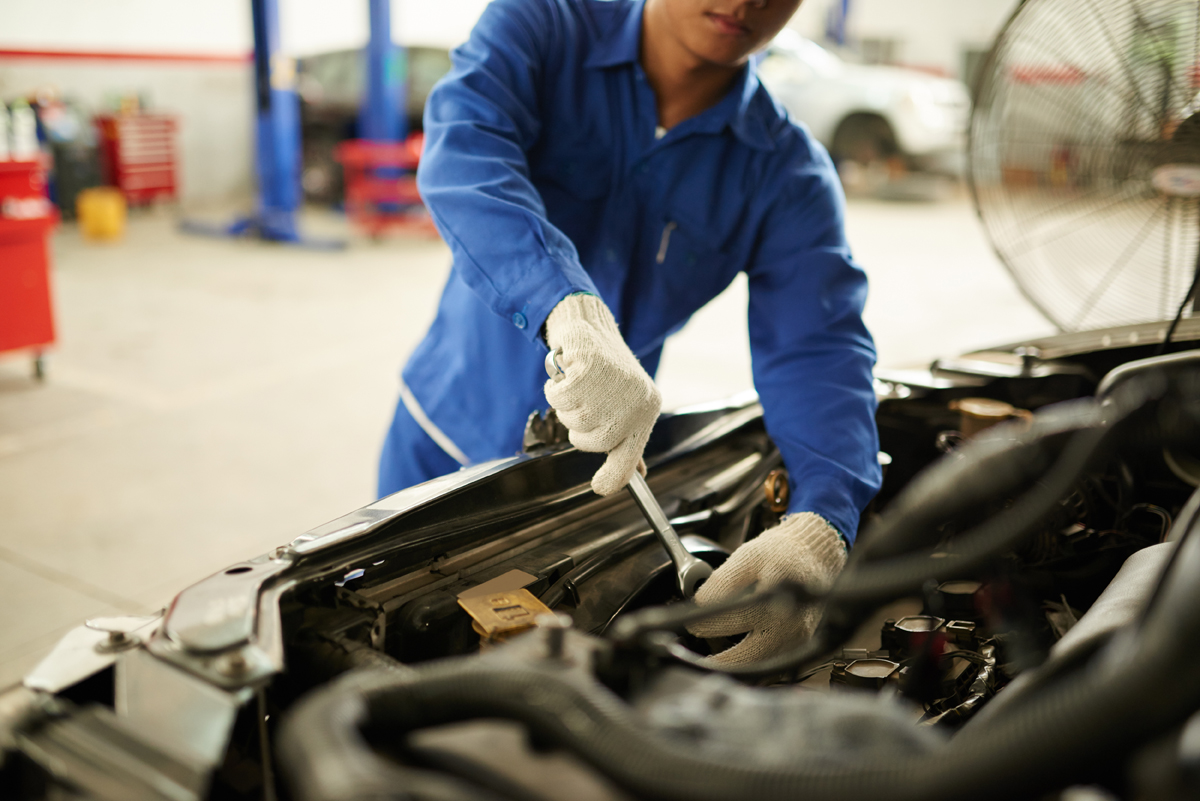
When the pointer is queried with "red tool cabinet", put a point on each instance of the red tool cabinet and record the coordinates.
(137, 153)
(381, 185)
(26, 314)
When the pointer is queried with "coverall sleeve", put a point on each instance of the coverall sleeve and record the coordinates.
(812, 355)
(480, 122)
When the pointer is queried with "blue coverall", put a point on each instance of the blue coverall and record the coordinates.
(546, 173)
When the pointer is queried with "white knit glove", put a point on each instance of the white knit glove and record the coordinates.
(802, 548)
(607, 400)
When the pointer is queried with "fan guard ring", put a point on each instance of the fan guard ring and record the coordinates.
(1085, 157)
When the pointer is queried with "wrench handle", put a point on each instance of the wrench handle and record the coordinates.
(646, 501)
(689, 571)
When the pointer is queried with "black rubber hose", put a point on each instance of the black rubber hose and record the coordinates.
(1136, 689)
(1093, 423)
(999, 462)
(677, 617)
(648, 629)
(1138, 685)
(1184, 526)
(874, 582)
(326, 756)
(956, 484)
(1063, 668)
(593, 565)
(866, 583)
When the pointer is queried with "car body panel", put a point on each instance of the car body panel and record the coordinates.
(928, 114)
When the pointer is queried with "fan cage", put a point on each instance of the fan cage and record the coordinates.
(1083, 113)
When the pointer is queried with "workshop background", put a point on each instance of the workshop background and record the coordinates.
(174, 399)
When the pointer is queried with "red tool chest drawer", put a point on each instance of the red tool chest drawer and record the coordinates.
(138, 155)
(26, 314)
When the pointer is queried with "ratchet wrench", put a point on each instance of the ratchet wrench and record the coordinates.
(689, 571)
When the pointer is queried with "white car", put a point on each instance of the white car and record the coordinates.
(869, 114)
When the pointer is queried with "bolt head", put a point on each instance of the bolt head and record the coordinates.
(555, 627)
(232, 664)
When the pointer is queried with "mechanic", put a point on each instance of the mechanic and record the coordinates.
(601, 169)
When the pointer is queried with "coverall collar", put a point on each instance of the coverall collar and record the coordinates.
(621, 47)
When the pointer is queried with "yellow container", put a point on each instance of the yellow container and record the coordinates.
(101, 213)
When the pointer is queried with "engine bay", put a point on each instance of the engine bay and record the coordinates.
(1017, 604)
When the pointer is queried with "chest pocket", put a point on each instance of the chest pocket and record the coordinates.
(689, 269)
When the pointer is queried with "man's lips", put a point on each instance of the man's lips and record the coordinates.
(727, 24)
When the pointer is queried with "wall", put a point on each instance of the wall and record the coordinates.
(222, 27)
(190, 59)
(318, 26)
(186, 58)
(810, 19)
(214, 27)
(213, 101)
(961, 26)
(931, 33)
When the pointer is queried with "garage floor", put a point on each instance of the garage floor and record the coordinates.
(210, 399)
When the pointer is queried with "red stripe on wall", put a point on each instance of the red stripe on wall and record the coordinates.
(88, 55)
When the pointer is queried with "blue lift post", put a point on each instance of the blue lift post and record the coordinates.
(835, 27)
(383, 114)
(277, 142)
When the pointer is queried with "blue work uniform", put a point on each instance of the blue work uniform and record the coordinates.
(546, 173)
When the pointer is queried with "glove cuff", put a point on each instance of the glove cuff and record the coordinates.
(812, 534)
(576, 310)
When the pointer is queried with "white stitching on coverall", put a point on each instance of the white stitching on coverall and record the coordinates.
(428, 426)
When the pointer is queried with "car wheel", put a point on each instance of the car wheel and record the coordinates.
(321, 175)
(866, 154)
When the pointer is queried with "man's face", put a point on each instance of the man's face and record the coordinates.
(726, 32)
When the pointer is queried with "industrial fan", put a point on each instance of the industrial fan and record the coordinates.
(1085, 158)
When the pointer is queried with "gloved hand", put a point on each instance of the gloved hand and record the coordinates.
(802, 548)
(607, 401)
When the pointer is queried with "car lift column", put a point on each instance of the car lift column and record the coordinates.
(277, 141)
(277, 129)
(382, 116)
(835, 26)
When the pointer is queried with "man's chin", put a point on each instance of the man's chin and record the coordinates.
(720, 53)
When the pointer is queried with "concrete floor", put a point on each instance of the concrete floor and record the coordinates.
(210, 399)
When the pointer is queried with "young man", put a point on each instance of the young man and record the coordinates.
(601, 169)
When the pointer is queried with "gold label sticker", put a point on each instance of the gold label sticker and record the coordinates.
(501, 614)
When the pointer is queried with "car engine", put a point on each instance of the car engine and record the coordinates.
(1014, 621)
